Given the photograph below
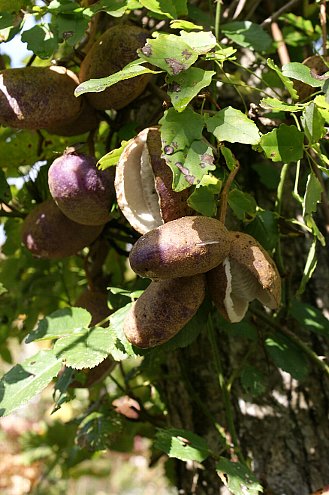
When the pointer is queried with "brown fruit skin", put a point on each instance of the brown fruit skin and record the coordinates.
(112, 51)
(48, 233)
(248, 252)
(87, 120)
(81, 191)
(163, 310)
(217, 283)
(94, 301)
(38, 97)
(180, 248)
(172, 204)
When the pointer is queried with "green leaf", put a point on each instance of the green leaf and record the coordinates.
(98, 429)
(41, 40)
(201, 42)
(285, 80)
(12, 5)
(188, 156)
(27, 379)
(17, 148)
(237, 478)
(186, 25)
(70, 28)
(242, 203)
(312, 194)
(301, 72)
(164, 7)
(179, 130)
(253, 381)
(286, 144)
(181, 444)
(265, 229)
(169, 52)
(287, 356)
(313, 123)
(115, 8)
(121, 349)
(86, 348)
(111, 158)
(248, 34)
(5, 194)
(184, 87)
(131, 70)
(309, 267)
(190, 165)
(233, 126)
(309, 317)
(230, 159)
(204, 197)
(280, 106)
(59, 323)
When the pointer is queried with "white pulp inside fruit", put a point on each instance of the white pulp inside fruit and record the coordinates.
(135, 186)
(242, 288)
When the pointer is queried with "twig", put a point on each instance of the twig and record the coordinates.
(224, 194)
(281, 45)
(279, 12)
(323, 22)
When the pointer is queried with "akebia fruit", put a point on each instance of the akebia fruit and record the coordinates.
(81, 191)
(48, 233)
(246, 274)
(116, 48)
(38, 97)
(143, 184)
(180, 248)
(163, 310)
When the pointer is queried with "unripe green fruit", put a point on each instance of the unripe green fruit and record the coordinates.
(48, 233)
(116, 48)
(180, 248)
(163, 310)
(81, 191)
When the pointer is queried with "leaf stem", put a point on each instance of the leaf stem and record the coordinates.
(217, 18)
(224, 390)
(224, 194)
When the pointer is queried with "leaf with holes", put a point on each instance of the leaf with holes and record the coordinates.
(237, 478)
(181, 444)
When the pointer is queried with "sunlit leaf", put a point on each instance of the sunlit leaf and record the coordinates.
(284, 79)
(204, 197)
(286, 144)
(27, 379)
(59, 323)
(313, 123)
(233, 126)
(237, 478)
(168, 52)
(181, 444)
(85, 348)
(186, 85)
(248, 34)
(111, 158)
(301, 72)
